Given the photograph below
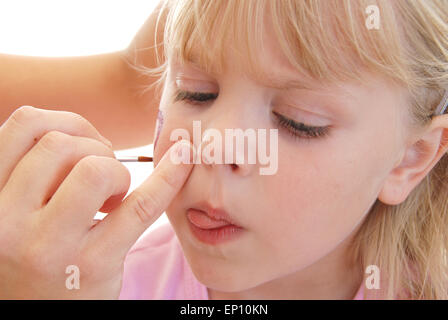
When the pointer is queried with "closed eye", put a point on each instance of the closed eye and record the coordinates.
(296, 129)
(299, 129)
(195, 98)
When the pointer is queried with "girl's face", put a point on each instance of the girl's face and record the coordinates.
(304, 214)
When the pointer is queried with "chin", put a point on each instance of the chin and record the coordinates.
(213, 271)
(225, 277)
(219, 280)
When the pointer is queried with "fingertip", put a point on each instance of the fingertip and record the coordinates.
(182, 152)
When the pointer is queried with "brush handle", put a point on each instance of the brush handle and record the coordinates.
(135, 159)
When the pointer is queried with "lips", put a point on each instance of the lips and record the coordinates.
(212, 225)
(201, 220)
(210, 217)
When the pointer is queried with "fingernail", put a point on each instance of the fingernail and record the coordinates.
(183, 152)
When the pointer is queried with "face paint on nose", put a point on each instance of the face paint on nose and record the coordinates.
(159, 125)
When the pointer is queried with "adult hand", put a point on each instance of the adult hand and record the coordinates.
(56, 172)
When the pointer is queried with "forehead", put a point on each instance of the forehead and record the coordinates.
(267, 65)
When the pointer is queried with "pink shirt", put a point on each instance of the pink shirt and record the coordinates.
(155, 268)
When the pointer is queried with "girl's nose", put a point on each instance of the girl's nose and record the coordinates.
(227, 149)
(229, 143)
(221, 157)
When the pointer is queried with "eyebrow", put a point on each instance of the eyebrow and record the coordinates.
(335, 104)
(285, 83)
(278, 82)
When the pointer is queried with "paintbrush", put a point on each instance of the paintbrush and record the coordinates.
(135, 159)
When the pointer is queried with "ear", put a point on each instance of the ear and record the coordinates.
(417, 161)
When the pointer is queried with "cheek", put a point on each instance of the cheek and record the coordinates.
(167, 123)
(159, 126)
(162, 137)
(316, 197)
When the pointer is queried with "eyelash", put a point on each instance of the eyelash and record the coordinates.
(296, 129)
(195, 98)
(299, 129)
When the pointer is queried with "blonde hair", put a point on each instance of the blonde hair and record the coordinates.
(329, 40)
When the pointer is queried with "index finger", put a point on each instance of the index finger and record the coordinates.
(122, 226)
(27, 125)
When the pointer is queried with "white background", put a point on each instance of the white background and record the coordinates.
(74, 28)
(70, 27)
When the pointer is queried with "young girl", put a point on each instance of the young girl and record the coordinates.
(357, 207)
(361, 178)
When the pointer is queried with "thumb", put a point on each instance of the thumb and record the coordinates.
(121, 228)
